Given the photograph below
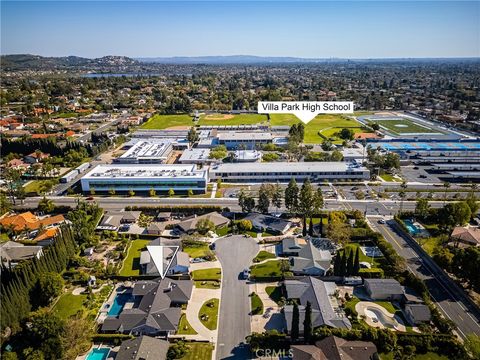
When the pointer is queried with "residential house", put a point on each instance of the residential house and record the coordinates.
(310, 261)
(143, 348)
(291, 246)
(189, 225)
(18, 164)
(114, 220)
(465, 236)
(335, 348)
(12, 253)
(35, 157)
(417, 313)
(153, 308)
(155, 228)
(384, 289)
(321, 295)
(32, 224)
(267, 223)
(164, 253)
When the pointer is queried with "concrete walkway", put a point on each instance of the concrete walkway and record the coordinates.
(199, 296)
(205, 265)
(276, 319)
(379, 317)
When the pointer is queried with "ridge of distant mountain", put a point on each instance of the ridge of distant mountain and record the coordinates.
(37, 62)
(231, 59)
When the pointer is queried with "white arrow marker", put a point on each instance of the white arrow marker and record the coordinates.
(162, 257)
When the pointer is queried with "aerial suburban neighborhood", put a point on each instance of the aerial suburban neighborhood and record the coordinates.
(150, 210)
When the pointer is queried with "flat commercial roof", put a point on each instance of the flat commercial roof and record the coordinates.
(148, 149)
(428, 146)
(128, 171)
(243, 136)
(287, 167)
(195, 154)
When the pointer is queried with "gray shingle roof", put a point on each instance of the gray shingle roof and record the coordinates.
(143, 347)
(316, 292)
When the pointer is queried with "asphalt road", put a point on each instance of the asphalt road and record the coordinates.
(448, 296)
(370, 207)
(235, 253)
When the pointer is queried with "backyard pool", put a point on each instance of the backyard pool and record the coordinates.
(412, 229)
(118, 304)
(98, 354)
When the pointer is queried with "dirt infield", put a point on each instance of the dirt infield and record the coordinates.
(218, 117)
(178, 127)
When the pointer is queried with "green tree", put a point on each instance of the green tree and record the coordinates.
(111, 192)
(192, 136)
(346, 134)
(46, 329)
(131, 193)
(472, 345)
(46, 205)
(263, 199)
(277, 195)
(350, 263)
(190, 193)
(5, 204)
(307, 323)
(245, 225)
(294, 332)
(422, 208)
(152, 192)
(472, 203)
(171, 192)
(203, 226)
(291, 196)
(50, 285)
(246, 202)
(338, 232)
(356, 264)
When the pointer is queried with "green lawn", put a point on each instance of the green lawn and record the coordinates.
(238, 119)
(429, 244)
(274, 292)
(68, 305)
(211, 312)
(198, 351)
(197, 251)
(256, 304)
(165, 121)
(328, 124)
(363, 258)
(269, 269)
(207, 274)
(263, 255)
(207, 284)
(131, 264)
(184, 327)
(403, 126)
(387, 306)
(388, 177)
(351, 304)
(33, 187)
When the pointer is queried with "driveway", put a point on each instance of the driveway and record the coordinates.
(235, 253)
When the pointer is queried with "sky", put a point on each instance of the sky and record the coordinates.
(314, 29)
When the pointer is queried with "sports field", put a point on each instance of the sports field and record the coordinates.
(230, 119)
(157, 122)
(327, 124)
(404, 126)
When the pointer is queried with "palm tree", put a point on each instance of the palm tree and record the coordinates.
(446, 185)
(402, 195)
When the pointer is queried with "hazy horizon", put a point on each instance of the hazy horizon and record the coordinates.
(319, 30)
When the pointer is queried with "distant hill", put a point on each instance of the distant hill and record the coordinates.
(36, 62)
(232, 59)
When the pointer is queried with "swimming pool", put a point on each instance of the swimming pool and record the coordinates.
(98, 354)
(118, 304)
(412, 229)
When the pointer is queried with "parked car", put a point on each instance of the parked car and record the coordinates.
(246, 273)
(381, 221)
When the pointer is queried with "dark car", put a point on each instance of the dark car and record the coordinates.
(90, 198)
